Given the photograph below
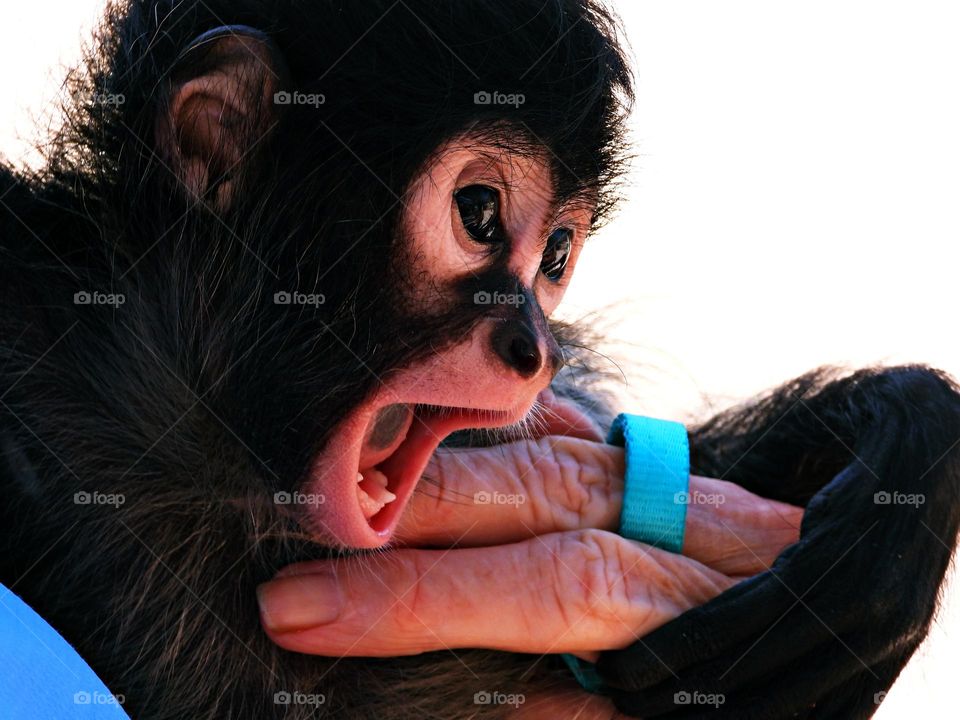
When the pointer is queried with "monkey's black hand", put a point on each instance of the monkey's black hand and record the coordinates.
(828, 628)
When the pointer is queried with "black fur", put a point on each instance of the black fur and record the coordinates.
(199, 398)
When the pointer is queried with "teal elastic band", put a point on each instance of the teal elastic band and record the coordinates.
(657, 480)
(655, 495)
(584, 672)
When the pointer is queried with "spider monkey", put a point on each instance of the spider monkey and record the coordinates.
(267, 270)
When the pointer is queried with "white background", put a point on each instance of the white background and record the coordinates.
(793, 202)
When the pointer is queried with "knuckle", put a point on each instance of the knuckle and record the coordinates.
(574, 494)
(536, 480)
(573, 485)
(409, 600)
(592, 572)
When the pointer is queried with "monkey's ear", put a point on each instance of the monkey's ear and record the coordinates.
(220, 108)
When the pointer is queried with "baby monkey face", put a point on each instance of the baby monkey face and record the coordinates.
(483, 237)
(486, 235)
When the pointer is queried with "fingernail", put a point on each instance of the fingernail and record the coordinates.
(299, 602)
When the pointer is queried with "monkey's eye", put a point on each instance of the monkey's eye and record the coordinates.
(479, 207)
(556, 254)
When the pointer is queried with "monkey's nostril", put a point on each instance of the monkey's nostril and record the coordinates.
(517, 347)
(525, 355)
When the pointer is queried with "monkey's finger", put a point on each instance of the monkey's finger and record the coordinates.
(565, 592)
(772, 654)
(506, 493)
(790, 690)
(800, 644)
(703, 632)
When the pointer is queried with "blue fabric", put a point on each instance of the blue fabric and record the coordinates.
(656, 488)
(584, 672)
(657, 481)
(41, 676)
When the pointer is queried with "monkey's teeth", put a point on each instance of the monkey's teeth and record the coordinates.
(372, 493)
(378, 477)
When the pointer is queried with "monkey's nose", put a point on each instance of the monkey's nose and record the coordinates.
(517, 346)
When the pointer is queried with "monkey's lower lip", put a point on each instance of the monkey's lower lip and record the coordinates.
(351, 519)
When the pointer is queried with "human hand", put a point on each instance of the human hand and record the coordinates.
(509, 548)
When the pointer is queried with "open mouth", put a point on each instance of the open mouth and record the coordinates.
(367, 474)
(386, 481)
